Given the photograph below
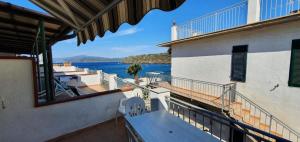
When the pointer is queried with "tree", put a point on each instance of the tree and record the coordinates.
(134, 70)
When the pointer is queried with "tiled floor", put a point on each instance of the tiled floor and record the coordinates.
(91, 89)
(104, 132)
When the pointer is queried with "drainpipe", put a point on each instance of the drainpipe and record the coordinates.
(174, 32)
(253, 11)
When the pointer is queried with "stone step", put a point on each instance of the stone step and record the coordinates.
(264, 126)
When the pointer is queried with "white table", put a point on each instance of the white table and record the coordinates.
(160, 126)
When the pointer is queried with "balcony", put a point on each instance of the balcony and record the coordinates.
(240, 14)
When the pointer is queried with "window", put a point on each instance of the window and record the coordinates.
(239, 63)
(294, 79)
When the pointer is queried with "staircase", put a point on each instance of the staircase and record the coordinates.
(235, 104)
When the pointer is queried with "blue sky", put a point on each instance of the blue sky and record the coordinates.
(134, 40)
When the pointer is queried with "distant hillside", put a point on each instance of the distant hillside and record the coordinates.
(162, 58)
(84, 58)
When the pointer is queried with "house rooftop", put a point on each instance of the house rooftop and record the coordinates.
(247, 27)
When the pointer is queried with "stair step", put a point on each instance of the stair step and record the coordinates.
(263, 126)
(237, 117)
(246, 111)
(276, 133)
(249, 122)
(256, 118)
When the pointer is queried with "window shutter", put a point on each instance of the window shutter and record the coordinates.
(294, 79)
(239, 63)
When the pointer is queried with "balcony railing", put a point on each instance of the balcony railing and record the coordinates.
(225, 97)
(229, 17)
(270, 9)
(235, 16)
(219, 126)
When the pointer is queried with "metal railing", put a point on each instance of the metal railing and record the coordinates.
(208, 92)
(228, 99)
(256, 116)
(229, 17)
(270, 9)
(219, 126)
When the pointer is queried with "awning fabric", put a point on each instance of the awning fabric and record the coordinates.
(94, 17)
(18, 28)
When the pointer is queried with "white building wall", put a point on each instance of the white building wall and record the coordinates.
(268, 64)
(21, 121)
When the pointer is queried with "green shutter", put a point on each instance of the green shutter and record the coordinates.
(294, 79)
(239, 63)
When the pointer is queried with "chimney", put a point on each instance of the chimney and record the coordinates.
(174, 32)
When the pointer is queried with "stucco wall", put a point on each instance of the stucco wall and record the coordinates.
(64, 68)
(268, 64)
(20, 121)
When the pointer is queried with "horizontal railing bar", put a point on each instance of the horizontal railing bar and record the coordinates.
(198, 110)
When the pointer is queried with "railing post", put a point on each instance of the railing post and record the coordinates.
(112, 82)
(192, 87)
(230, 93)
(271, 117)
(216, 21)
(222, 97)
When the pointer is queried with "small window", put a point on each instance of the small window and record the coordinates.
(239, 63)
(294, 79)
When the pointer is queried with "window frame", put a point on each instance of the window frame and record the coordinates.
(232, 65)
(295, 43)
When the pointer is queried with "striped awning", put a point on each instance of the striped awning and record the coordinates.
(90, 18)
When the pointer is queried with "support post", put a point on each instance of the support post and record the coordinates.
(51, 74)
(253, 11)
(112, 82)
(45, 60)
(222, 97)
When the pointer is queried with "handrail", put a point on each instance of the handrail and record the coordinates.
(266, 112)
(227, 94)
(222, 119)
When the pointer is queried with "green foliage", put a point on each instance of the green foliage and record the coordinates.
(134, 69)
(163, 58)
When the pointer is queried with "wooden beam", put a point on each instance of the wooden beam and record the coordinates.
(9, 29)
(15, 36)
(17, 41)
(24, 24)
(21, 45)
(21, 11)
(14, 50)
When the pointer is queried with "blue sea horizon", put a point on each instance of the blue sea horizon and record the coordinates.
(121, 68)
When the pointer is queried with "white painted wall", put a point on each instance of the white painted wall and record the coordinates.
(20, 121)
(268, 64)
(64, 68)
(85, 80)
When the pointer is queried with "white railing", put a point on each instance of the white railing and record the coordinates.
(229, 17)
(270, 9)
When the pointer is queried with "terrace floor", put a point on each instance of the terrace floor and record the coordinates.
(91, 89)
(103, 132)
